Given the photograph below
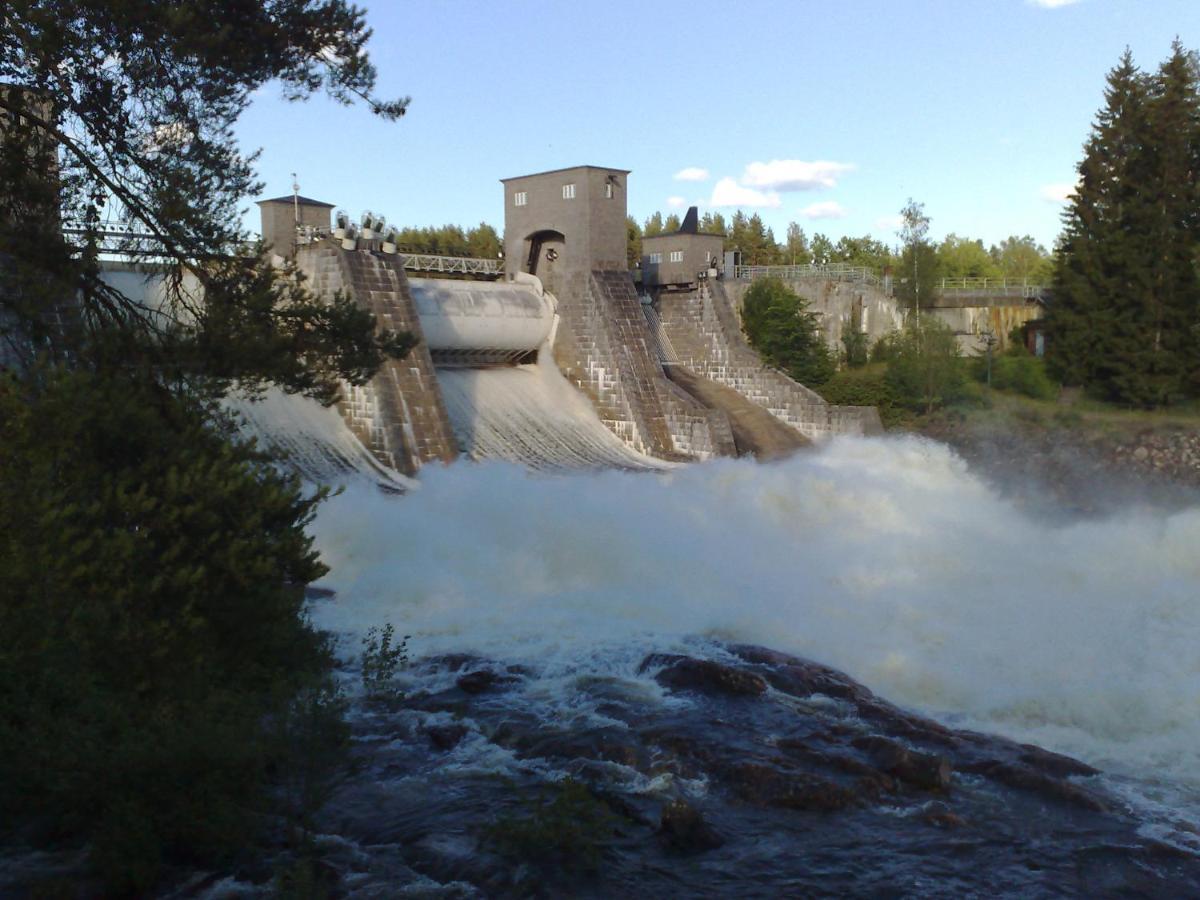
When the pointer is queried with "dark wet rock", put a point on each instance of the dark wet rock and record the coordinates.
(446, 737)
(1023, 777)
(766, 785)
(683, 673)
(1054, 763)
(922, 770)
(605, 745)
(682, 829)
(482, 680)
(940, 815)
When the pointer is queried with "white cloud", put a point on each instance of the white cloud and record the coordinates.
(827, 209)
(1051, 4)
(727, 192)
(676, 202)
(794, 174)
(1057, 193)
(692, 173)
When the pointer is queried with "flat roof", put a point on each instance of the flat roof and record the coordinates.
(676, 234)
(303, 201)
(565, 169)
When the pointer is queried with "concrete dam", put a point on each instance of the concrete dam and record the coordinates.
(558, 362)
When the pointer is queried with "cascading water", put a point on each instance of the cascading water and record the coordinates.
(885, 558)
(312, 438)
(531, 415)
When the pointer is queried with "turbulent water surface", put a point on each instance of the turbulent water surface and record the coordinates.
(884, 558)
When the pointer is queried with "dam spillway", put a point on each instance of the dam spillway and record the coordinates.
(548, 357)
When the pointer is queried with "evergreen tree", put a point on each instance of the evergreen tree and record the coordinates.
(1122, 322)
(1174, 160)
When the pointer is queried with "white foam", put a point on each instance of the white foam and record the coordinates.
(882, 557)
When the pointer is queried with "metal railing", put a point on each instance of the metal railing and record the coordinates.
(991, 287)
(451, 265)
(826, 272)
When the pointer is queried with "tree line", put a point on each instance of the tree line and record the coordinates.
(1020, 257)
(1125, 318)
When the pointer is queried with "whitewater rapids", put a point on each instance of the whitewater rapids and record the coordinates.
(882, 557)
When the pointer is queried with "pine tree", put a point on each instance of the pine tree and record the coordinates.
(1173, 157)
(1101, 280)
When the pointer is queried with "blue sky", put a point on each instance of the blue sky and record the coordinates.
(828, 114)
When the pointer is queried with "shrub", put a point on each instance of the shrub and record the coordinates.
(1021, 374)
(924, 369)
(382, 658)
(867, 386)
(780, 327)
(154, 644)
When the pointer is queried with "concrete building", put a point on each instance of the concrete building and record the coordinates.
(680, 259)
(284, 217)
(562, 224)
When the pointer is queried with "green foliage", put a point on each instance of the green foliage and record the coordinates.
(1125, 317)
(480, 242)
(924, 369)
(867, 386)
(154, 642)
(780, 327)
(917, 274)
(1019, 373)
(959, 257)
(383, 657)
(856, 346)
(566, 825)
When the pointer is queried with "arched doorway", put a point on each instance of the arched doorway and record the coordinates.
(543, 256)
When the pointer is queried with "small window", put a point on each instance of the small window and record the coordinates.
(676, 256)
(655, 258)
(608, 189)
(568, 192)
(520, 198)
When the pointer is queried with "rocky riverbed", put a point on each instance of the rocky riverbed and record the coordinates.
(731, 770)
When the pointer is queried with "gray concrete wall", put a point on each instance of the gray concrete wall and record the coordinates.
(841, 305)
(969, 323)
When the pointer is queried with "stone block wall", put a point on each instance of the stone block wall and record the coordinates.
(705, 331)
(399, 415)
(603, 346)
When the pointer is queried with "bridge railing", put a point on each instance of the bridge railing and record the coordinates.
(827, 272)
(991, 287)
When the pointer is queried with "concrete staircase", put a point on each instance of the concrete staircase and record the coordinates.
(703, 328)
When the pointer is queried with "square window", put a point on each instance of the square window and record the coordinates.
(676, 256)
(520, 198)
(568, 192)
(655, 258)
